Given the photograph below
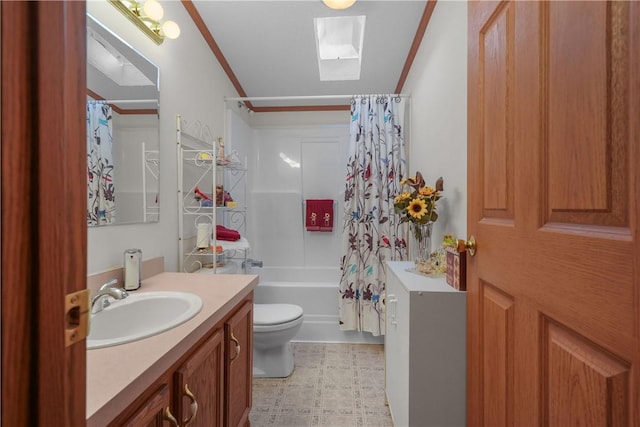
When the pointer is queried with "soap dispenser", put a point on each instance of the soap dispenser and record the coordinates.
(132, 261)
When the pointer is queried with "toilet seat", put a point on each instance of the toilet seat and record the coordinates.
(275, 314)
(274, 317)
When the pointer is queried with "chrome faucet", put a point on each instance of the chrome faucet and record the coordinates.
(251, 263)
(99, 302)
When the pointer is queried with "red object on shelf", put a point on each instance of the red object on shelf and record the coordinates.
(223, 233)
(201, 194)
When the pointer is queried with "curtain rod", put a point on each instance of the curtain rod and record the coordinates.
(292, 98)
(125, 101)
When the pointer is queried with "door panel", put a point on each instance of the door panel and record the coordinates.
(552, 292)
(498, 356)
(586, 100)
(496, 41)
(587, 386)
(397, 344)
(239, 366)
(202, 376)
(151, 413)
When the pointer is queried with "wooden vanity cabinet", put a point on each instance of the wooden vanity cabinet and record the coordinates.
(216, 375)
(239, 366)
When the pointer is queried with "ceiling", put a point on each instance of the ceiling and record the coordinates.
(268, 48)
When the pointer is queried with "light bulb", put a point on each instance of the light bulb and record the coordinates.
(338, 4)
(153, 10)
(171, 29)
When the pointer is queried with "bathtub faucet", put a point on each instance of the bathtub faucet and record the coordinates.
(251, 263)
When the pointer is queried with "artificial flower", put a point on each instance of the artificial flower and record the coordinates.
(417, 208)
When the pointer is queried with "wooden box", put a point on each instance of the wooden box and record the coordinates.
(456, 269)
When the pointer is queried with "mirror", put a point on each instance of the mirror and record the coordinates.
(123, 131)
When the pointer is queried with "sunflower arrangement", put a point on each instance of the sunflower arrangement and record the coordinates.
(419, 204)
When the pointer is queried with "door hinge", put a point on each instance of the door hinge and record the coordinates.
(76, 307)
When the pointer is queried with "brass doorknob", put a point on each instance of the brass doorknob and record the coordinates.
(470, 245)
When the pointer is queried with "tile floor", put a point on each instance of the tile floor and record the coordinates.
(333, 385)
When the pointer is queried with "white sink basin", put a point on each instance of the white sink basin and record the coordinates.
(141, 315)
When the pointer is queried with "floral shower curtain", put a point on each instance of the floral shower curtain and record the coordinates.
(371, 233)
(101, 205)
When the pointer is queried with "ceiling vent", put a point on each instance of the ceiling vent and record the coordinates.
(339, 46)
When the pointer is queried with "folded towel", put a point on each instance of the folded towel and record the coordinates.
(319, 216)
(223, 233)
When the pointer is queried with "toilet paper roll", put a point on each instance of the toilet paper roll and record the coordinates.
(202, 240)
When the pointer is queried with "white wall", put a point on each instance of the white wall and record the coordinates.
(437, 83)
(192, 84)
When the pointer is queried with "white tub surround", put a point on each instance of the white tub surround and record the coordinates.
(117, 375)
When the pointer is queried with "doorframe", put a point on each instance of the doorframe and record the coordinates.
(43, 199)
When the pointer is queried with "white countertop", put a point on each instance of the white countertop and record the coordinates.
(117, 375)
(416, 282)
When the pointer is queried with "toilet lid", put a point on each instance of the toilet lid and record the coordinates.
(274, 314)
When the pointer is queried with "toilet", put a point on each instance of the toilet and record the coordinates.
(274, 325)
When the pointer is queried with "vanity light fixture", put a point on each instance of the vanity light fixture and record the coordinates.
(153, 10)
(146, 16)
(338, 4)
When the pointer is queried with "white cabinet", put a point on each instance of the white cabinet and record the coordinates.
(201, 176)
(425, 349)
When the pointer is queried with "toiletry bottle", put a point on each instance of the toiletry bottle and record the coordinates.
(132, 261)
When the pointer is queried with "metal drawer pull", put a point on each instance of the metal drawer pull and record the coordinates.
(194, 405)
(235, 340)
(169, 417)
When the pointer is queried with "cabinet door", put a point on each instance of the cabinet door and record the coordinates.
(239, 366)
(397, 350)
(153, 412)
(198, 385)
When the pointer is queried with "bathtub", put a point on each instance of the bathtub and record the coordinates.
(316, 291)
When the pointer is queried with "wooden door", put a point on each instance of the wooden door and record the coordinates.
(43, 210)
(200, 380)
(554, 193)
(239, 366)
